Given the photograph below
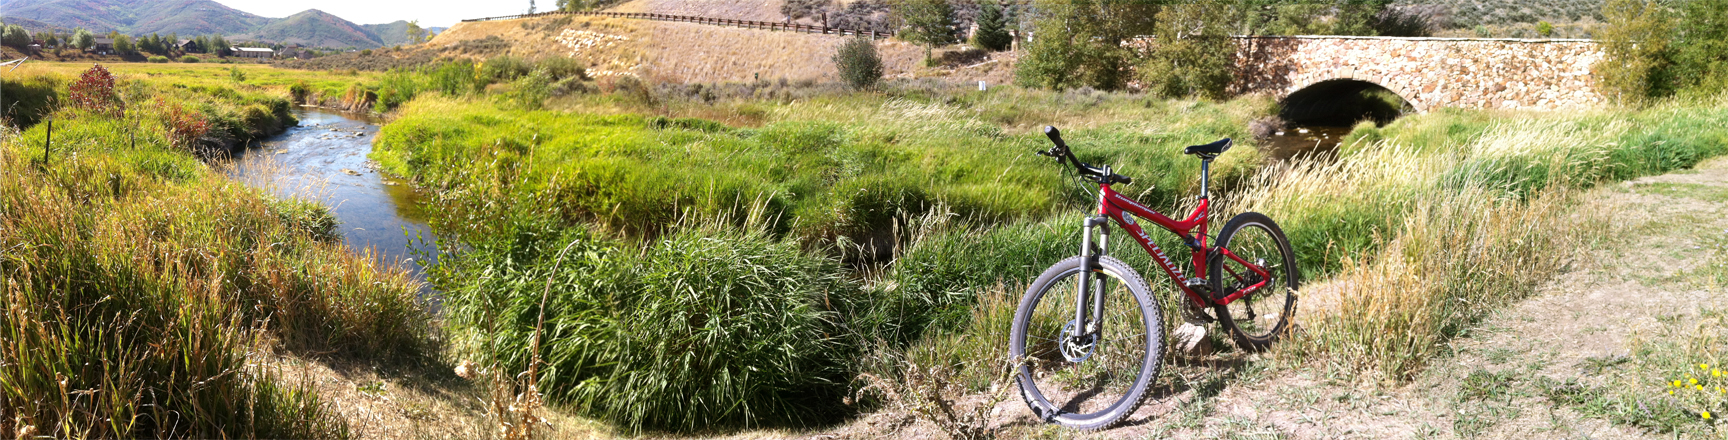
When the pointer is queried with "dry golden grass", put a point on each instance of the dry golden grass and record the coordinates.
(690, 52)
(757, 10)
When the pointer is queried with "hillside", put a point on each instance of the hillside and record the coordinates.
(136, 17)
(693, 53)
(199, 17)
(394, 33)
(314, 28)
(758, 10)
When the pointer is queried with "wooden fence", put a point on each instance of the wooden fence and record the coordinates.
(768, 25)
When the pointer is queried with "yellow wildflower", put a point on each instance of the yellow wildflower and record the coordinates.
(1676, 383)
(1699, 387)
(1715, 373)
(1703, 366)
(1706, 415)
(1694, 381)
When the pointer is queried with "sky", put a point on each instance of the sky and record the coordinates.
(431, 13)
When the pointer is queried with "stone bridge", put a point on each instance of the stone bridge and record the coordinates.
(1429, 73)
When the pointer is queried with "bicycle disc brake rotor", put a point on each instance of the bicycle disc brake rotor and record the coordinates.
(1077, 348)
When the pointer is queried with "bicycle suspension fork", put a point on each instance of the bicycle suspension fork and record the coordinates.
(1089, 256)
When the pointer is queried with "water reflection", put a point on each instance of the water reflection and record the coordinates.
(1303, 140)
(324, 159)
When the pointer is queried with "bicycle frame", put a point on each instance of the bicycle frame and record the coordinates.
(1122, 210)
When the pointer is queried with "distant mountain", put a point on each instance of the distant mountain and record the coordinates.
(200, 17)
(136, 17)
(314, 28)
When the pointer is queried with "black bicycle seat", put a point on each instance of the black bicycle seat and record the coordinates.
(1212, 149)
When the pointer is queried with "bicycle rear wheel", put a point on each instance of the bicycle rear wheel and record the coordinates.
(1079, 379)
(1257, 319)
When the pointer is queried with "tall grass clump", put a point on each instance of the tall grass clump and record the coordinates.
(704, 327)
(26, 98)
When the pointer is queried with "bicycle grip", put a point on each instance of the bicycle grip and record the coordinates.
(1055, 136)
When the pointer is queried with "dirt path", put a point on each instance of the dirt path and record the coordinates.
(1495, 380)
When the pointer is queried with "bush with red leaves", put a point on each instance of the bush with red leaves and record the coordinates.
(94, 91)
(184, 126)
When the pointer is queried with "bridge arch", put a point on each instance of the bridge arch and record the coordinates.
(1341, 102)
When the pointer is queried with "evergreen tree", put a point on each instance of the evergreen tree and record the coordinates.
(929, 23)
(992, 32)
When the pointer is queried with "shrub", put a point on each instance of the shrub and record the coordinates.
(743, 327)
(94, 91)
(184, 126)
(858, 63)
(455, 78)
(397, 87)
(503, 68)
(1076, 48)
(1185, 62)
(1544, 29)
(158, 59)
(189, 59)
(1635, 56)
(562, 68)
(530, 91)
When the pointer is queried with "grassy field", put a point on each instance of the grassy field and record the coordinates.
(921, 199)
(144, 286)
(700, 258)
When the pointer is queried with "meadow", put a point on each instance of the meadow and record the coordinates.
(705, 257)
(909, 217)
(145, 289)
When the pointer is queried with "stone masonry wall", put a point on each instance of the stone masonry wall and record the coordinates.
(1430, 73)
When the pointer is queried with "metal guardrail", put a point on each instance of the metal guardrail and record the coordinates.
(749, 24)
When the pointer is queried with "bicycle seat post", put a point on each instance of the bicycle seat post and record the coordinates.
(1205, 177)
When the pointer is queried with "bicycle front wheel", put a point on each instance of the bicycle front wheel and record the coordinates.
(1090, 375)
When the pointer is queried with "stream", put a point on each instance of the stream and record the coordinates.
(323, 159)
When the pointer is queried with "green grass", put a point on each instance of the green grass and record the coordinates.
(1423, 220)
(144, 287)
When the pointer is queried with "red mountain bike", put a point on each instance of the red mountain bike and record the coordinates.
(1088, 355)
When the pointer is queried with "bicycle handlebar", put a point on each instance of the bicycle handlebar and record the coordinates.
(1062, 153)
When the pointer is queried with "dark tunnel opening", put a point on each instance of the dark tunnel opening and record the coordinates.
(1342, 103)
(1313, 120)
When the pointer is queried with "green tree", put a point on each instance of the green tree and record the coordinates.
(83, 39)
(1273, 17)
(1701, 45)
(858, 63)
(1079, 43)
(1635, 53)
(929, 23)
(1192, 52)
(992, 32)
(15, 36)
(48, 39)
(1357, 17)
(416, 35)
(123, 44)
